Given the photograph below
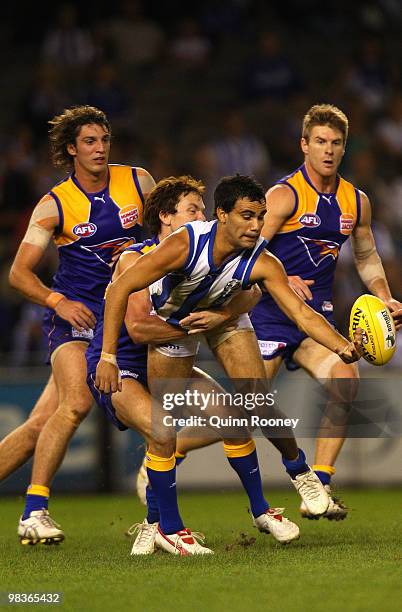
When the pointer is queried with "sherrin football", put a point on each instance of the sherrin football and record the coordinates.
(379, 335)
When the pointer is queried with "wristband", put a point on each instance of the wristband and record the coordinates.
(53, 299)
(109, 358)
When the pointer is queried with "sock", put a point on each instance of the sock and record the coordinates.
(297, 466)
(324, 473)
(152, 506)
(152, 502)
(162, 477)
(37, 498)
(244, 461)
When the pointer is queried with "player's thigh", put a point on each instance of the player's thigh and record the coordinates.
(163, 366)
(322, 364)
(240, 356)
(133, 406)
(70, 373)
(136, 409)
(272, 366)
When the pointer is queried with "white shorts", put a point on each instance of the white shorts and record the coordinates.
(188, 347)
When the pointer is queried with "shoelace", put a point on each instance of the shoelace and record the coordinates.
(144, 531)
(46, 520)
(309, 487)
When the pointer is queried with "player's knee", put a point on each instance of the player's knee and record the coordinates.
(35, 424)
(75, 410)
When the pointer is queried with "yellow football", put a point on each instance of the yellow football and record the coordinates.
(379, 335)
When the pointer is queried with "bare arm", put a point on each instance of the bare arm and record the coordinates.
(269, 269)
(22, 277)
(171, 254)
(280, 205)
(142, 326)
(43, 222)
(368, 262)
(146, 181)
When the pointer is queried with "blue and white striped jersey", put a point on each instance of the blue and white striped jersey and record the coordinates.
(200, 284)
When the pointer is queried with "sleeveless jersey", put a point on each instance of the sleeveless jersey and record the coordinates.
(129, 353)
(94, 228)
(200, 284)
(309, 242)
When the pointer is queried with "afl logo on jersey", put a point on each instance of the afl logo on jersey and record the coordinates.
(129, 216)
(84, 230)
(310, 220)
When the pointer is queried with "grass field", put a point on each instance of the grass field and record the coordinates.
(353, 565)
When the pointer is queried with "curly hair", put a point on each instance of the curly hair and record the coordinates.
(65, 129)
(165, 196)
(325, 114)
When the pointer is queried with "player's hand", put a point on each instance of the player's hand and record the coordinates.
(205, 320)
(301, 287)
(395, 309)
(76, 313)
(108, 379)
(353, 350)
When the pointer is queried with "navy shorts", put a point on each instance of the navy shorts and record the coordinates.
(58, 331)
(104, 400)
(281, 338)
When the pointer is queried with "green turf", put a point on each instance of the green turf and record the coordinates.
(347, 566)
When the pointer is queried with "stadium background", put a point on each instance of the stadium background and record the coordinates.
(210, 89)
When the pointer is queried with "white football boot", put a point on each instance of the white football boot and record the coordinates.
(141, 483)
(273, 521)
(39, 528)
(336, 511)
(312, 492)
(183, 543)
(144, 543)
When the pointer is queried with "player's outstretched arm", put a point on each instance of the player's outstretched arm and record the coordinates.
(171, 254)
(368, 262)
(43, 222)
(270, 271)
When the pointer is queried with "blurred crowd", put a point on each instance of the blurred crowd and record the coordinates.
(211, 90)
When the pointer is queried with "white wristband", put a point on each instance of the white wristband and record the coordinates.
(109, 358)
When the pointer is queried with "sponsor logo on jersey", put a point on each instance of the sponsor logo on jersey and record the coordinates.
(318, 250)
(84, 230)
(128, 374)
(269, 347)
(346, 223)
(310, 220)
(231, 287)
(85, 334)
(327, 306)
(129, 216)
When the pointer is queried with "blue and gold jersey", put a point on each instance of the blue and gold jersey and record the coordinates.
(309, 242)
(94, 228)
(129, 354)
